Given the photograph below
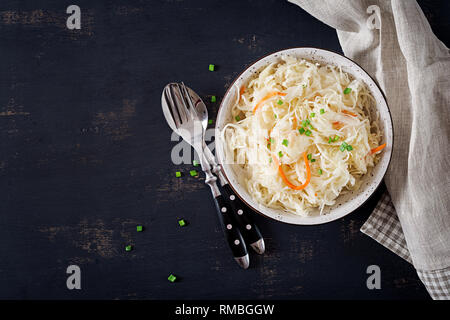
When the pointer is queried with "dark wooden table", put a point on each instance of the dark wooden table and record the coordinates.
(85, 157)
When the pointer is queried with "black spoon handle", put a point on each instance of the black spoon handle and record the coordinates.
(249, 230)
(231, 231)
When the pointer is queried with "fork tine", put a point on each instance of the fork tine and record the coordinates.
(188, 97)
(182, 107)
(173, 109)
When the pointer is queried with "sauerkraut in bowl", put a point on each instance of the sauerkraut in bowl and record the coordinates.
(303, 136)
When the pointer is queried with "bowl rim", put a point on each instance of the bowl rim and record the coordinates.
(315, 222)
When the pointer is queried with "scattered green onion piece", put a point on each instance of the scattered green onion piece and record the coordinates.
(304, 85)
(330, 140)
(309, 156)
(213, 98)
(301, 130)
(322, 111)
(275, 116)
(270, 160)
(237, 118)
(313, 160)
(210, 121)
(139, 228)
(280, 102)
(347, 90)
(178, 174)
(271, 140)
(285, 142)
(313, 114)
(308, 133)
(193, 173)
(128, 248)
(172, 278)
(349, 148)
(211, 67)
(195, 163)
(343, 146)
(280, 154)
(181, 222)
(336, 138)
(320, 171)
(268, 145)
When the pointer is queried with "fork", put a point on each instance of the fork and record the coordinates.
(178, 110)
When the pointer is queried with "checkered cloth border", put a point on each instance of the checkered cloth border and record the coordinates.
(383, 226)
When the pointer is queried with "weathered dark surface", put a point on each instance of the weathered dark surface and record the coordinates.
(85, 157)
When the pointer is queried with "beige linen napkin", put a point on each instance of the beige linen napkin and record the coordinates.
(394, 43)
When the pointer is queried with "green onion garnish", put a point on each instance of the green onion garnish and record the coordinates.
(320, 171)
(210, 121)
(178, 174)
(268, 145)
(211, 67)
(280, 154)
(275, 116)
(128, 248)
(181, 222)
(349, 148)
(195, 163)
(280, 102)
(309, 156)
(271, 140)
(285, 142)
(301, 130)
(172, 278)
(237, 118)
(308, 133)
(330, 140)
(193, 173)
(313, 160)
(313, 114)
(336, 138)
(270, 160)
(213, 98)
(304, 85)
(139, 228)
(343, 146)
(347, 90)
(322, 111)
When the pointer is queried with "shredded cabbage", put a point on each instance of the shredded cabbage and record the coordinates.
(315, 101)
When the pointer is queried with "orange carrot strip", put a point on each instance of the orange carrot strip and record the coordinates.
(374, 150)
(295, 122)
(241, 92)
(268, 96)
(285, 179)
(349, 113)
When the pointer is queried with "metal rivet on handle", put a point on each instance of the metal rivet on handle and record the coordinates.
(229, 226)
(224, 209)
(232, 197)
(248, 227)
(236, 242)
(240, 212)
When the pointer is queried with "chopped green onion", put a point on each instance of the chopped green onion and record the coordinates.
(322, 111)
(320, 171)
(268, 145)
(275, 116)
(237, 118)
(313, 160)
(181, 222)
(211, 67)
(271, 140)
(336, 138)
(280, 154)
(330, 140)
(193, 173)
(308, 133)
(139, 228)
(128, 248)
(280, 102)
(178, 174)
(210, 121)
(195, 163)
(349, 148)
(305, 123)
(313, 114)
(343, 146)
(172, 278)
(270, 160)
(285, 142)
(304, 85)
(301, 130)
(309, 156)
(213, 98)
(347, 90)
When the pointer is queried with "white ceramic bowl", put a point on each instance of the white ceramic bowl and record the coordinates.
(345, 203)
